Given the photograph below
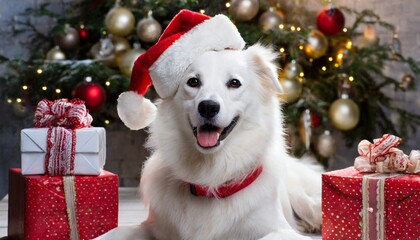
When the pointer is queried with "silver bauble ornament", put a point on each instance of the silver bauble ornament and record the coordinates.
(103, 51)
(244, 10)
(148, 29)
(316, 44)
(55, 53)
(68, 39)
(120, 21)
(127, 60)
(325, 144)
(344, 114)
(271, 19)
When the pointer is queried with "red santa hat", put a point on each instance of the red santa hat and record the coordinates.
(187, 36)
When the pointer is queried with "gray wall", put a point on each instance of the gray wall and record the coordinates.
(124, 147)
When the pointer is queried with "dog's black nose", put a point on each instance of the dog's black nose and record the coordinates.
(208, 108)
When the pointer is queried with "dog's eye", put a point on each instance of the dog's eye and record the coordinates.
(233, 83)
(194, 82)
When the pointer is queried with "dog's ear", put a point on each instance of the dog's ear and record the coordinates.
(263, 60)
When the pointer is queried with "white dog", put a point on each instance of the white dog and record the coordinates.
(220, 167)
(223, 124)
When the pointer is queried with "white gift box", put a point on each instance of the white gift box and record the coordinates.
(89, 157)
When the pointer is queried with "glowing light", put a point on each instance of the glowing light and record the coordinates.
(324, 68)
(336, 65)
(282, 50)
(281, 26)
(344, 29)
(293, 28)
(44, 88)
(228, 4)
(9, 100)
(298, 29)
(19, 100)
(351, 78)
(311, 59)
(58, 90)
(39, 71)
(24, 87)
(108, 83)
(106, 122)
(340, 56)
(202, 11)
(349, 44)
(301, 74)
(330, 59)
(301, 47)
(88, 79)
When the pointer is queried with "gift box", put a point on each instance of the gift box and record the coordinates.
(370, 206)
(90, 150)
(46, 207)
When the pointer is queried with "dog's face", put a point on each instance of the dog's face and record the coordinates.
(221, 92)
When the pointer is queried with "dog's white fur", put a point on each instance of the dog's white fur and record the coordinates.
(263, 210)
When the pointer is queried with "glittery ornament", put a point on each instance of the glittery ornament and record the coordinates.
(55, 53)
(330, 21)
(344, 114)
(148, 29)
(244, 10)
(271, 19)
(120, 21)
(325, 145)
(68, 39)
(316, 44)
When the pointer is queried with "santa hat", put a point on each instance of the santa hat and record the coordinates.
(187, 36)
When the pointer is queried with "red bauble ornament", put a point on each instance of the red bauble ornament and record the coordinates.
(315, 120)
(83, 33)
(330, 21)
(92, 93)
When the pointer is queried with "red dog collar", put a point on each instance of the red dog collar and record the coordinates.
(227, 189)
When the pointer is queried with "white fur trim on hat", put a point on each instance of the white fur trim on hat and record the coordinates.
(135, 111)
(215, 34)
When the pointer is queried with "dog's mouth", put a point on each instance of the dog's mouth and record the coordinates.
(209, 136)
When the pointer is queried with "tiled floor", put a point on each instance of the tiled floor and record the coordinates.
(131, 210)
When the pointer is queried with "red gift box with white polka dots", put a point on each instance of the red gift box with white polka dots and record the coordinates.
(342, 205)
(37, 206)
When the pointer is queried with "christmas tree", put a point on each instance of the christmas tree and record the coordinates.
(332, 72)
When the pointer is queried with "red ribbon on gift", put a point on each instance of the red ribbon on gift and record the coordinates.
(383, 156)
(62, 118)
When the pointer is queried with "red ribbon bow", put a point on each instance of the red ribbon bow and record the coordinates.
(62, 113)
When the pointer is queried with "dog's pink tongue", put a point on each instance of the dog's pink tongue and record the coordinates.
(207, 139)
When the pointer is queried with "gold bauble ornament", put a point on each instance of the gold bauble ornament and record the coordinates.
(127, 60)
(325, 144)
(244, 10)
(120, 46)
(55, 53)
(292, 70)
(271, 19)
(148, 29)
(120, 21)
(292, 88)
(316, 44)
(69, 39)
(344, 114)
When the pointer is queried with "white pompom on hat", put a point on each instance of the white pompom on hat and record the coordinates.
(187, 36)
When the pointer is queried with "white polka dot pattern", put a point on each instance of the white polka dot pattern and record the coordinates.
(342, 206)
(45, 207)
